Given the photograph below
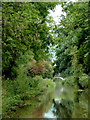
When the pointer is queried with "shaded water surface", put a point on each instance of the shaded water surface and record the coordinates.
(61, 103)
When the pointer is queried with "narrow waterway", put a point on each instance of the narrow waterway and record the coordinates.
(63, 102)
(68, 103)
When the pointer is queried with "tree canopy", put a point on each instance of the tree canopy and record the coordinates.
(73, 39)
(25, 33)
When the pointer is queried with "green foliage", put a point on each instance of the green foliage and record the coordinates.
(81, 104)
(61, 61)
(26, 39)
(49, 83)
(83, 80)
(10, 103)
(24, 31)
(73, 41)
(26, 84)
(48, 73)
(43, 68)
(70, 81)
(22, 88)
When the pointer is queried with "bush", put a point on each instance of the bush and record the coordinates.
(49, 83)
(48, 70)
(35, 68)
(70, 81)
(43, 68)
(25, 87)
(10, 103)
(83, 80)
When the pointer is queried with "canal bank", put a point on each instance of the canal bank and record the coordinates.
(62, 102)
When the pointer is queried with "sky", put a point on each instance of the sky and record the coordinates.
(56, 17)
(56, 14)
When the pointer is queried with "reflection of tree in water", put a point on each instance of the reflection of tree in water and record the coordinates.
(63, 109)
(81, 105)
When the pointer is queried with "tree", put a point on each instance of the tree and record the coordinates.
(25, 33)
(73, 33)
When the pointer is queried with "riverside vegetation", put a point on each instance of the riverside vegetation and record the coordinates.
(26, 38)
(27, 70)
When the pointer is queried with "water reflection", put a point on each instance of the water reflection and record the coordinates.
(61, 103)
(81, 105)
(64, 109)
(68, 103)
(50, 114)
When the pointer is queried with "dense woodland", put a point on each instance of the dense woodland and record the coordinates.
(26, 38)
(73, 43)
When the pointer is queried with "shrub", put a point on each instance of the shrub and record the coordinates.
(25, 87)
(83, 80)
(35, 68)
(70, 81)
(48, 69)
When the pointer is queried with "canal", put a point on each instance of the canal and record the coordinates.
(63, 102)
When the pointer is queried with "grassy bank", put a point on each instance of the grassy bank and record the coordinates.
(16, 92)
(16, 95)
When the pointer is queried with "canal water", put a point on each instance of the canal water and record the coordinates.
(63, 102)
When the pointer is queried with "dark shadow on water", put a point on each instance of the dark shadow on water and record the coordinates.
(64, 109)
